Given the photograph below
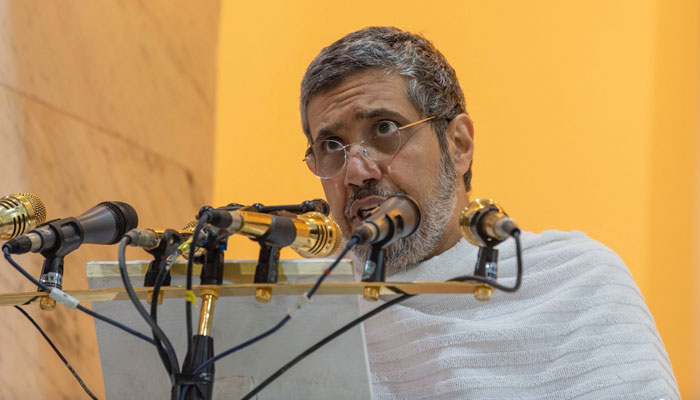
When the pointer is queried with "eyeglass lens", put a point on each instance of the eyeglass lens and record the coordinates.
(379, 141)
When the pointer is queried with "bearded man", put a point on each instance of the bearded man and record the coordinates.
(384, 114)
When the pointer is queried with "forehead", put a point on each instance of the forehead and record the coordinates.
(361, 96)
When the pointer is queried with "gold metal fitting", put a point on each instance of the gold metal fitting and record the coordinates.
(149, 297)
(371, 293)
(47, 303)
(206, 313)
(483, 293)
(263, 294)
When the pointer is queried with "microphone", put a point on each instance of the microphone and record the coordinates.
(149, 239)
(105, 223)
(311, 234)
(318, 205)
(397, 217)
(20, 212)
(484, 223)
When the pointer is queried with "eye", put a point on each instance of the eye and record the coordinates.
(385, 127)
(329, 146)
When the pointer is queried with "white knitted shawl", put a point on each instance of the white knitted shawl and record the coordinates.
(577, 328)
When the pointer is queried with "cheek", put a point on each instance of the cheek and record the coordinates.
(416, 171)
(408, 177)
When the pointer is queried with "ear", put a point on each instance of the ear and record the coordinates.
(460, 142)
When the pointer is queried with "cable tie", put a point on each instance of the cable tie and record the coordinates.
(190, 297)
(185, 246)
(295, 309)
(64, 298)
(189, 379)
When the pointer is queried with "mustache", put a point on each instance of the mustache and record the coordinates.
(370, 189)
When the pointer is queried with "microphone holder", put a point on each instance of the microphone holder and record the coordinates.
(267, 269)
(486, 267)
(169, 242)
(52, 269)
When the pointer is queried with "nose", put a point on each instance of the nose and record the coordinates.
(360, 168)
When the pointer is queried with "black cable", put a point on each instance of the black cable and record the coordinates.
(58, 352)
(323, 342)
(162, 273)
(160, 278)
(168, 347)
(91, 313)
(286, 318)
(353, 241)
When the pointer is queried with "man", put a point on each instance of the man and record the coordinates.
(384, 113)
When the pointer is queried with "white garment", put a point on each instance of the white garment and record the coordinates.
(577, 328)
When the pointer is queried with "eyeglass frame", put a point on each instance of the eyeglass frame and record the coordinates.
(309, 151)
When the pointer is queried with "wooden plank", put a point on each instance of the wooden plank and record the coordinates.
(248, 289)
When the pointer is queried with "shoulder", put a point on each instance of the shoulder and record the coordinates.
(562, 256)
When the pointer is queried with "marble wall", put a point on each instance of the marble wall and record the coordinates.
(99, 100)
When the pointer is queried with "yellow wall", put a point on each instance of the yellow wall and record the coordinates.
(586, 117)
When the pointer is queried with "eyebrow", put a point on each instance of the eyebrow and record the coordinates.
(360, 115)
(377, 112)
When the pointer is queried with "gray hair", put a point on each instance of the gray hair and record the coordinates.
(431, 82)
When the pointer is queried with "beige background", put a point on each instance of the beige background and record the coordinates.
(99, 100)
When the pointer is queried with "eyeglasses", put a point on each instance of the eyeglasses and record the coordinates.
(378, 142)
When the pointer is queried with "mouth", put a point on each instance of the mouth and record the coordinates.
(366, 212)
(361, 209)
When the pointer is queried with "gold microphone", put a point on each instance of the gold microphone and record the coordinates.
(484, 223)
(311, 234)
(20, 213)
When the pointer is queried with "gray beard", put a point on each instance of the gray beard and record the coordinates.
(406, 253)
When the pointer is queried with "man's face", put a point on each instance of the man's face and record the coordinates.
(418, 169)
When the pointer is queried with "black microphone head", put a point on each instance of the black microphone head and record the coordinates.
(107, 222)
(125, 216)
(397, 217)
(404, 211)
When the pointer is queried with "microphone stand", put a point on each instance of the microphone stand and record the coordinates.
(202, 386)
